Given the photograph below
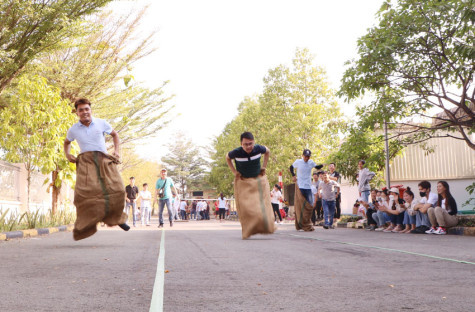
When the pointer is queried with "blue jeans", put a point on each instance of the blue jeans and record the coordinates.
(381, 218)
(422, 219)
(365, 195)
(134, 209)
(328, 211)
(409, 219)
(193, 214)
(161, 206)
(307, 193)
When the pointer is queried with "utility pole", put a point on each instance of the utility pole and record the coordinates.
(388, 178)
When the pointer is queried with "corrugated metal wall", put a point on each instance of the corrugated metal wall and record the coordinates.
(451, 159)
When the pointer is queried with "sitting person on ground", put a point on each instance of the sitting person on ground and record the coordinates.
(370, 209)
(381, 217)
(395, 211)
(428, 199)
(409, 214)
(444, 215)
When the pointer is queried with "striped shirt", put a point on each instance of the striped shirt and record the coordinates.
(248, 165)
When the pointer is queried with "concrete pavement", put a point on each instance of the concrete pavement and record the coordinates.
(210, 268)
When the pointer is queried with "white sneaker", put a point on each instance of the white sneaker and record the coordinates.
(440, 231)
(432, 230)
(281, 222)
(275, 222)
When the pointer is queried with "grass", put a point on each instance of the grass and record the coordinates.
(32, 220)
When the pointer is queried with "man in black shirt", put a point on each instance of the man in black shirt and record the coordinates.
(131, 192)
(248, 157)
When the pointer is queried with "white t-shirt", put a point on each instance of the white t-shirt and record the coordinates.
(432, 199)
(183, 205)
(275, 196)
(145, 198)
(221, 202)
(442, 204)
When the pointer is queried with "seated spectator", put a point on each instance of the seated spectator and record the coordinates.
(395, 211)
(370, 209)
(381, 217)
(444, 215)
(410, 214)
(428, 200)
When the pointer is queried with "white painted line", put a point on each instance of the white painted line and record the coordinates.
(157, 296)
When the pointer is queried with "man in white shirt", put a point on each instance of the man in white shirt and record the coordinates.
(183, 207)
(304, 170)
(428, 199)
(145, 204)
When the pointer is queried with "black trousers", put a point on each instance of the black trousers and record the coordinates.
(317, 212)
(338, 207)
(369, 216)
(276, 210)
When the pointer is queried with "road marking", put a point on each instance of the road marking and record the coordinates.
(159, 285)
(380, 248)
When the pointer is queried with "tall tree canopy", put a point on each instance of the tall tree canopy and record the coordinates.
(31, 27)
(419, 61)
(296, 110)
(184, 164)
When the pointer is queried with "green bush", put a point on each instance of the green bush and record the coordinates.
(32, 220)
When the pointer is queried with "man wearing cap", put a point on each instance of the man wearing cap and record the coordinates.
(164, 190)
(304, 170)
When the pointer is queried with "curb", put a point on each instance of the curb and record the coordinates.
(460, 230)
(35, 232)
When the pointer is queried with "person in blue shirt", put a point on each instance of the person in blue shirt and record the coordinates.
(304, 174)
(165, 186)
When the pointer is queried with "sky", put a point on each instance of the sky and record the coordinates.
(215, 53)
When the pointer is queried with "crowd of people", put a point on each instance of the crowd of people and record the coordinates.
(398, 211)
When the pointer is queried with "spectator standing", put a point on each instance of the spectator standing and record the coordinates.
(145, 204)
(163, 189)
(428, 199)
(327, 191)
(193, 215)
(335, 176)
(317, 213)
(183, 207)
(131, 193)
(364, 176)
(444, 215)
(275, 198)
(222, 207)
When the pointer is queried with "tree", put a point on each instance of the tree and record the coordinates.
(98, 66)
(296, 110)
(29, 28)
(185, 164)
(363, 144)
(419, 61)
(34, 125)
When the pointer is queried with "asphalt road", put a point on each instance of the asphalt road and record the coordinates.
(210, 268)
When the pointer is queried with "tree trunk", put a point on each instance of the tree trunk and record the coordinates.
(55, 192)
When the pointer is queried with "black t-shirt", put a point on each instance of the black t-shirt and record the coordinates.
(248, 165)
(131, 191)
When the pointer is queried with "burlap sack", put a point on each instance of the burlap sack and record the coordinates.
(99, 194)
(253, 205)
(303, 212)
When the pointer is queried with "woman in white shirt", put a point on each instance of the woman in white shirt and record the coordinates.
(395, 211)
(222, 207)
(444, 215)
(275, 198)
(410, 213)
